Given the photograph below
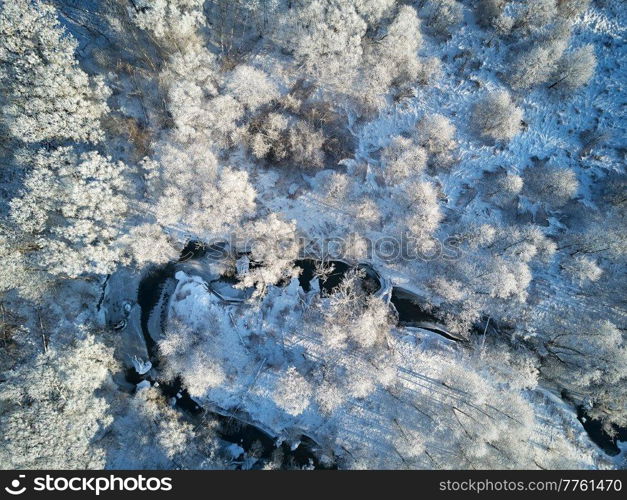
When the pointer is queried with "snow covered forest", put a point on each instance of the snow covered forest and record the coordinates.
(297, 234)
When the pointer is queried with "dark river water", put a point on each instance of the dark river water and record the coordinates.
(594, 429)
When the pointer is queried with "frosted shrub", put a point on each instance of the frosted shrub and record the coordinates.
(492, 14)
(536, 65)
(441, 16)
(274, 242)
(197, 118)
(525, 243)
(496, 117)
(196, 65)
(572, 8)
(423, 211)
(508, 187)
(403, 159)
(370, 328)
(305, 145)
(436, 134)
(488, 11)
(268, 139)
(536, 14)
(480, 235)
(450, 290)
(393, 57)
(510, 183)
(191, 189)
(506, 279)
(192, 355)
(554, 186)
(149, 433)
(373, 10)
(591, 361)
(351, 51)
(330, 396)
(575, 68)
(327, 39)
(283, 138)
(14, 270)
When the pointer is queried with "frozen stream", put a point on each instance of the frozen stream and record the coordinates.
(142, 316)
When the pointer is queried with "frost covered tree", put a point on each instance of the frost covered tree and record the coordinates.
(71, 210)
(202, 117)
(148, 243)
(208, 105)
(486, 435)
(188, 188)
(285, 139)
(204, 351)
(306, 145)
(354, 48)
(17, 272)
(292, 393)
(581, 269)
(273, 242)
(423, 214)
(572, 8)
(436, 133)
(535, 15)
(268, 138)
(46, 96)
(506, 188)
(505, 278)
(149, 433)
(488, 11)
(329, 41)
(172, 24)
(525, 243)
(251, 87)
(493, 14)
(496, 116)
(49, 411)
(391, 57)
